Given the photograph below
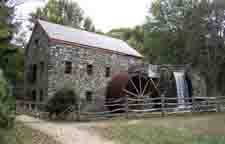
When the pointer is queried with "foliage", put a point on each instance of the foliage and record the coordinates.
(11, 58)
(61, 101)
(7, 105)
(62, 12)
(65, 12)
(88, 25)
(134, 37)
(188, 32)
(6, 30)
(12, 63)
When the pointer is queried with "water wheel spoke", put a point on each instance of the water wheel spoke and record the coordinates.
(148, 94)
(158, 83)
(146, 84)
(131, 93)
(134, 86)
(140, 90)
(156, 88)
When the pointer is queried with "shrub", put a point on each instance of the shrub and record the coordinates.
(61, 101)
(7, 105)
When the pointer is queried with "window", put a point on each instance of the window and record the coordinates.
(33, 95)
(68, 67)
(41, 95)
(41, 67)
(36, 41)
(89, 96)
(34, 73)
(89, 69)
(29, 73)
(107, 72)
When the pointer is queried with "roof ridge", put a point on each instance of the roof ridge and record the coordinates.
(82, 30)
(74, 35)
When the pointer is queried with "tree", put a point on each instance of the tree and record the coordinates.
(7, 106)
(188, 32)
(63, 12)
(88, 25)
(11, 58)
(61, 101)
(11, 65)
(133, 36)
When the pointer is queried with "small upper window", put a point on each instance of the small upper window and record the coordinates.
(89, 69)
(68, 67)
(89, 96)
(34, 73)
(42, 66)
(33, 95)
(107, 72)
(36, 41)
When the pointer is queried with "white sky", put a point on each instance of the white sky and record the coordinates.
(106, 14)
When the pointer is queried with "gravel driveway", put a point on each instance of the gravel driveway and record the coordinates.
(65, 133)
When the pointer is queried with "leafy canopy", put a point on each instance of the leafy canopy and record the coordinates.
(64, 12)
(188, 32)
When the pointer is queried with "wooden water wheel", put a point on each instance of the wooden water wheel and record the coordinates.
(132, 85)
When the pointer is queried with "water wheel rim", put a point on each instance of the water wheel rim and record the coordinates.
(141, 90)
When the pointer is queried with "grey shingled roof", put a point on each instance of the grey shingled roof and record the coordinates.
(73, 35)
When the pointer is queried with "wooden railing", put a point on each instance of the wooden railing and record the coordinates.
(128, 107)
(30, 108)
(162, 106)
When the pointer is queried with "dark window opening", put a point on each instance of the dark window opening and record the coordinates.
(89, 96)
(6, 60)
(107, 72)
(89, 69)
(36, 42)
(33, 106)
(68, 67)
(41, 95)
(33, 95)
(33, 73)
(29, 73)
(41, 67)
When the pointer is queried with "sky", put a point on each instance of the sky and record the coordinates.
(106, 14)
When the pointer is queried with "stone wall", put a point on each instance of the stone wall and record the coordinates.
(36, 52)
(198, 84)
(53, 78)
(79, 79)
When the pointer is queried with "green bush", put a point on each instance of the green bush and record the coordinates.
(61, 101)
(7, 104)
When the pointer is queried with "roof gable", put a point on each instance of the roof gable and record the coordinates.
(73, 35)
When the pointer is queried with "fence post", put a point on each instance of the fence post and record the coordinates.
(218, 104)
(207, 104)
(30, 107)
(193, 104)
(127, 106)
(163, 105)
(78, 110)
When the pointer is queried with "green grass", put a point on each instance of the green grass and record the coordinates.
(21, 134)
(7, 136)
(206, 129)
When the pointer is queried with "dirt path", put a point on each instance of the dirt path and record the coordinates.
(65, 133)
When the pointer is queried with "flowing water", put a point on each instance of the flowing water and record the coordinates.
(181, 88)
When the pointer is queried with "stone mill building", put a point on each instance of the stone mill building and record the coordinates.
(58, 56)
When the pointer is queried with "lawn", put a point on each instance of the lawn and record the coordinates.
(204, 129)
(21, 134)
